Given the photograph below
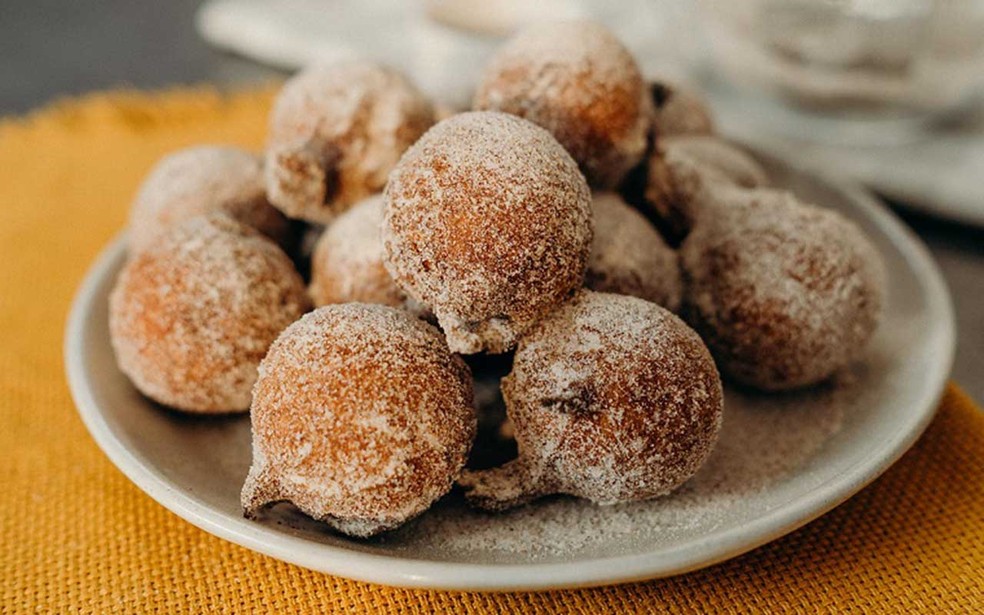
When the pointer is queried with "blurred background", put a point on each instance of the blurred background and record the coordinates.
(889, 92)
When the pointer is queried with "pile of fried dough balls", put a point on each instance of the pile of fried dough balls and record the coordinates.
(579, 217)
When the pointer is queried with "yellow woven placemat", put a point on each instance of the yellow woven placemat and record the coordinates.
(76, 536)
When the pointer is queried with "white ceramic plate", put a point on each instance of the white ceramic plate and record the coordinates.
(781, 461)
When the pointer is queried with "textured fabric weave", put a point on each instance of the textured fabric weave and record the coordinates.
(76, 536)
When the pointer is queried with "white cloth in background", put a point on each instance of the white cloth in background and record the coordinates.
(941, 174)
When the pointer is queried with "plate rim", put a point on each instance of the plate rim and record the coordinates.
(409, 572)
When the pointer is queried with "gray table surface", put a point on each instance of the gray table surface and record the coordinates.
(52, 48)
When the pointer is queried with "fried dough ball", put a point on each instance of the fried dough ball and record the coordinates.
(580, 83)
(628, 255)
(197, 180)
(336, 131)
(612, 398)
(192, 315)
(488, 223)
(348, 260)
(784, 293)
(683, 171)
(679, 111)
(361, 418)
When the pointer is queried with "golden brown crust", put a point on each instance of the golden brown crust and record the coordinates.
(487, 222)
(784, 293)
(192, 315)
(628, 255)
(685, 171)
(347, 265)
(612, 399)
(196, 181)
(336, 131)
(361, 417)
(580, 83)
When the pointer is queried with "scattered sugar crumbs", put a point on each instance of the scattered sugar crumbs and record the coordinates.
(765, 437)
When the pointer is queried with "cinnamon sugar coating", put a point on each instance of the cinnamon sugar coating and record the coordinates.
(612, 398)
(488, 223)
(197, 180)
(192, 315)
(336, 131)
(784, 293)
(628, 255)
(347, 265)
(580, 83)
(684, 171)
(361, 418)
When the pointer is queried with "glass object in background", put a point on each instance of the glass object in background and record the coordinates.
(659, 33)
(441, 44)
(854, 70)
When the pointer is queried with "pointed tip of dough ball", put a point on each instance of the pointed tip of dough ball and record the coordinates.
(487, 222)
(613, 399)
(361, 417)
